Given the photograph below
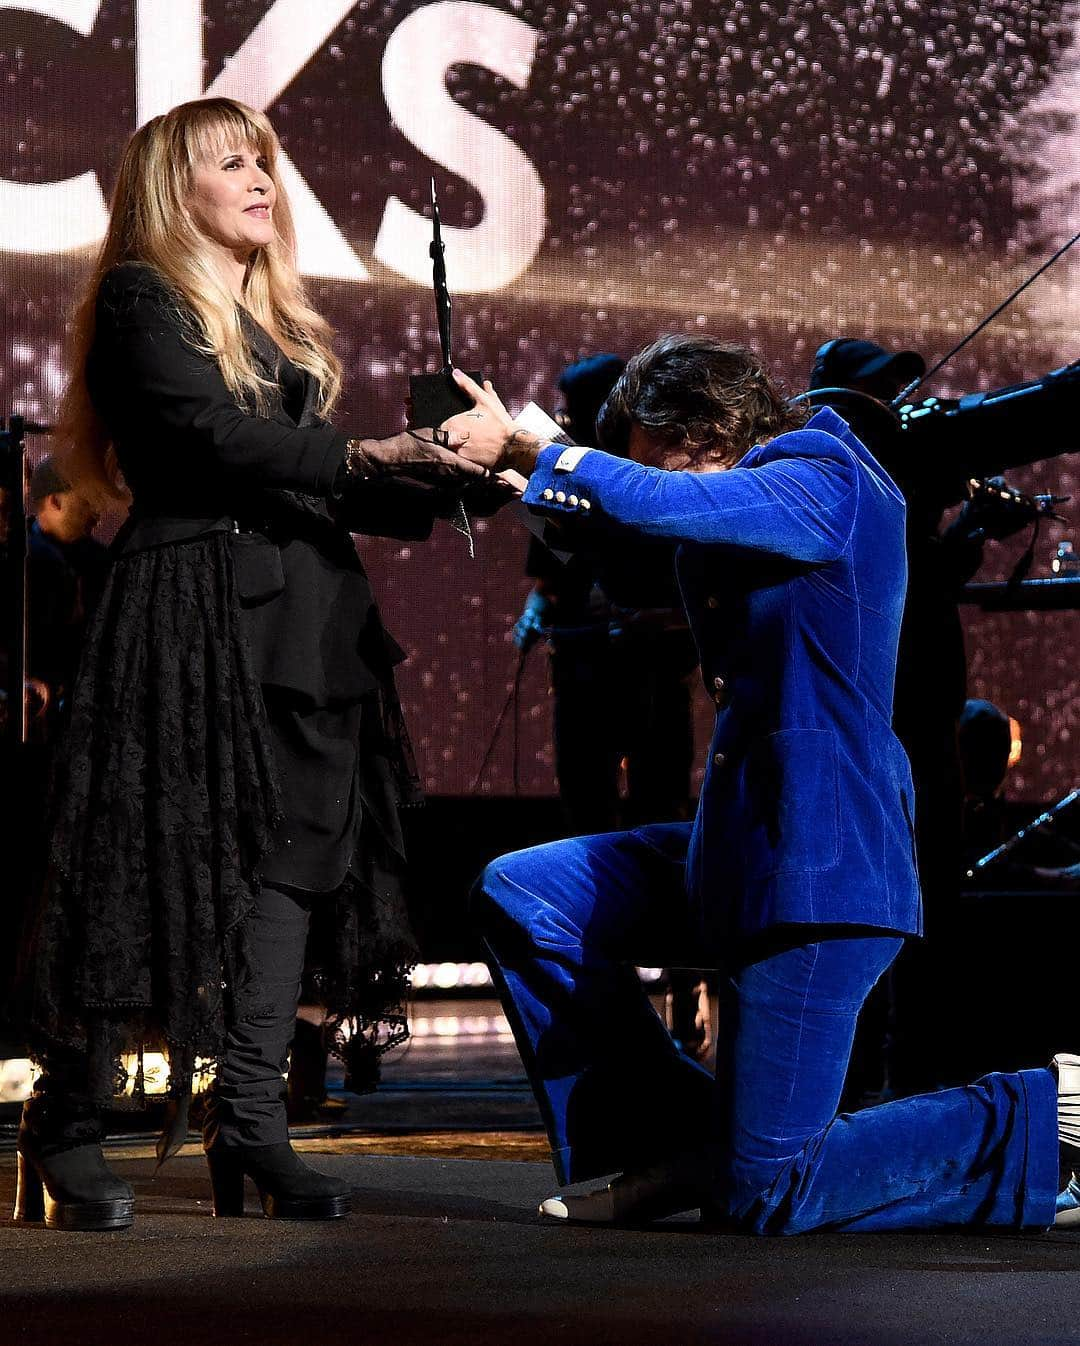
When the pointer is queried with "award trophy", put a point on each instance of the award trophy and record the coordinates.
(437, 396)
(434, 397)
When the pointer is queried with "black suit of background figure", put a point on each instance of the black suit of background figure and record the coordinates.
(622, 659)
(931, 468)
(66, 571)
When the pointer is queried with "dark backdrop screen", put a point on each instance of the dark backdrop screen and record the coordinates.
(778, 173)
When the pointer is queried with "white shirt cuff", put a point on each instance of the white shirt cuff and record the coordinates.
(569, 459)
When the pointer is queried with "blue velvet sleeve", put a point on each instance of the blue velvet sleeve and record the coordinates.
(797, 499)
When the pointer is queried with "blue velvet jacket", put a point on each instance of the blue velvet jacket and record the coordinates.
(792, 569)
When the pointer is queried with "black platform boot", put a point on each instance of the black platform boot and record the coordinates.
(245, 1131)
(288, 1188)
(63, 1178)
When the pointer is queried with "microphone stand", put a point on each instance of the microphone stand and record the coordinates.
(15, 486)
(436, 397)
(1045, 819)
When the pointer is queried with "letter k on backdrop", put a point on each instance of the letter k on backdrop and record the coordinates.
(50, 217)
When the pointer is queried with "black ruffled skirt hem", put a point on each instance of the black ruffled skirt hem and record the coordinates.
(165, 804)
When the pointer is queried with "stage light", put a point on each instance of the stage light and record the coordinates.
(17, 1077)
(203, 1078)
(476, 974)
(476, 977)
(155, 1072)
(453, 1029)
(650, 974)
(1016, 742)
(450, 977)
(447, 976)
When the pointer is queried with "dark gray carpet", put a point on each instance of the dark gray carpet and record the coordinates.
(450, 1252)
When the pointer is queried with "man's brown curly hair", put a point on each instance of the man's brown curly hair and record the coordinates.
(706, 401)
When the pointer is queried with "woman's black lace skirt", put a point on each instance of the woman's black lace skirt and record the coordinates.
(165, 804)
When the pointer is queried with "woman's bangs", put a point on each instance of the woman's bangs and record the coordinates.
(222, 131)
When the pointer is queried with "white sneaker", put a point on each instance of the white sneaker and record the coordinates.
(1068, 1204)
(597, 1207)
(1066, 1069)
(654, 1193)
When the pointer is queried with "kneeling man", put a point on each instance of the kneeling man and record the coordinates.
(797, 876)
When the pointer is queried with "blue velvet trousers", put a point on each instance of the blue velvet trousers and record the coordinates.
(564, 925)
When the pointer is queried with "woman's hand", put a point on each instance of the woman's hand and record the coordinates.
(424, 455)
(487, 434)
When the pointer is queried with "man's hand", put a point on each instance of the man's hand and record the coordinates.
(484, 497)
(487, 434)
(532, 625)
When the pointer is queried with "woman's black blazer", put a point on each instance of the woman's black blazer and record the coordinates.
(196, 462)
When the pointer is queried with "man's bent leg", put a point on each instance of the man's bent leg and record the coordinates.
(563, 925)
(982, 1155)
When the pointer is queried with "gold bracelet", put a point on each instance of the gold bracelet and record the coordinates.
(356, 460)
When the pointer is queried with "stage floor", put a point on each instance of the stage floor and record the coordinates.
(451, 1251)
(444, 1245)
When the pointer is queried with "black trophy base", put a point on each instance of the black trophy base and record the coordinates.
(435, 397)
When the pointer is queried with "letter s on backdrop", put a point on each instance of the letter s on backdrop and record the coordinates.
(420, 51)
(44, 217)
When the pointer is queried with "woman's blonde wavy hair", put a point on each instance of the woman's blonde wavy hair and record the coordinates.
(150, 222)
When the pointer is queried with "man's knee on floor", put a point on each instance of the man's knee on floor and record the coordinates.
(760, 1199)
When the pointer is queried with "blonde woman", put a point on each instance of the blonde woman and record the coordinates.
(236, 753)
